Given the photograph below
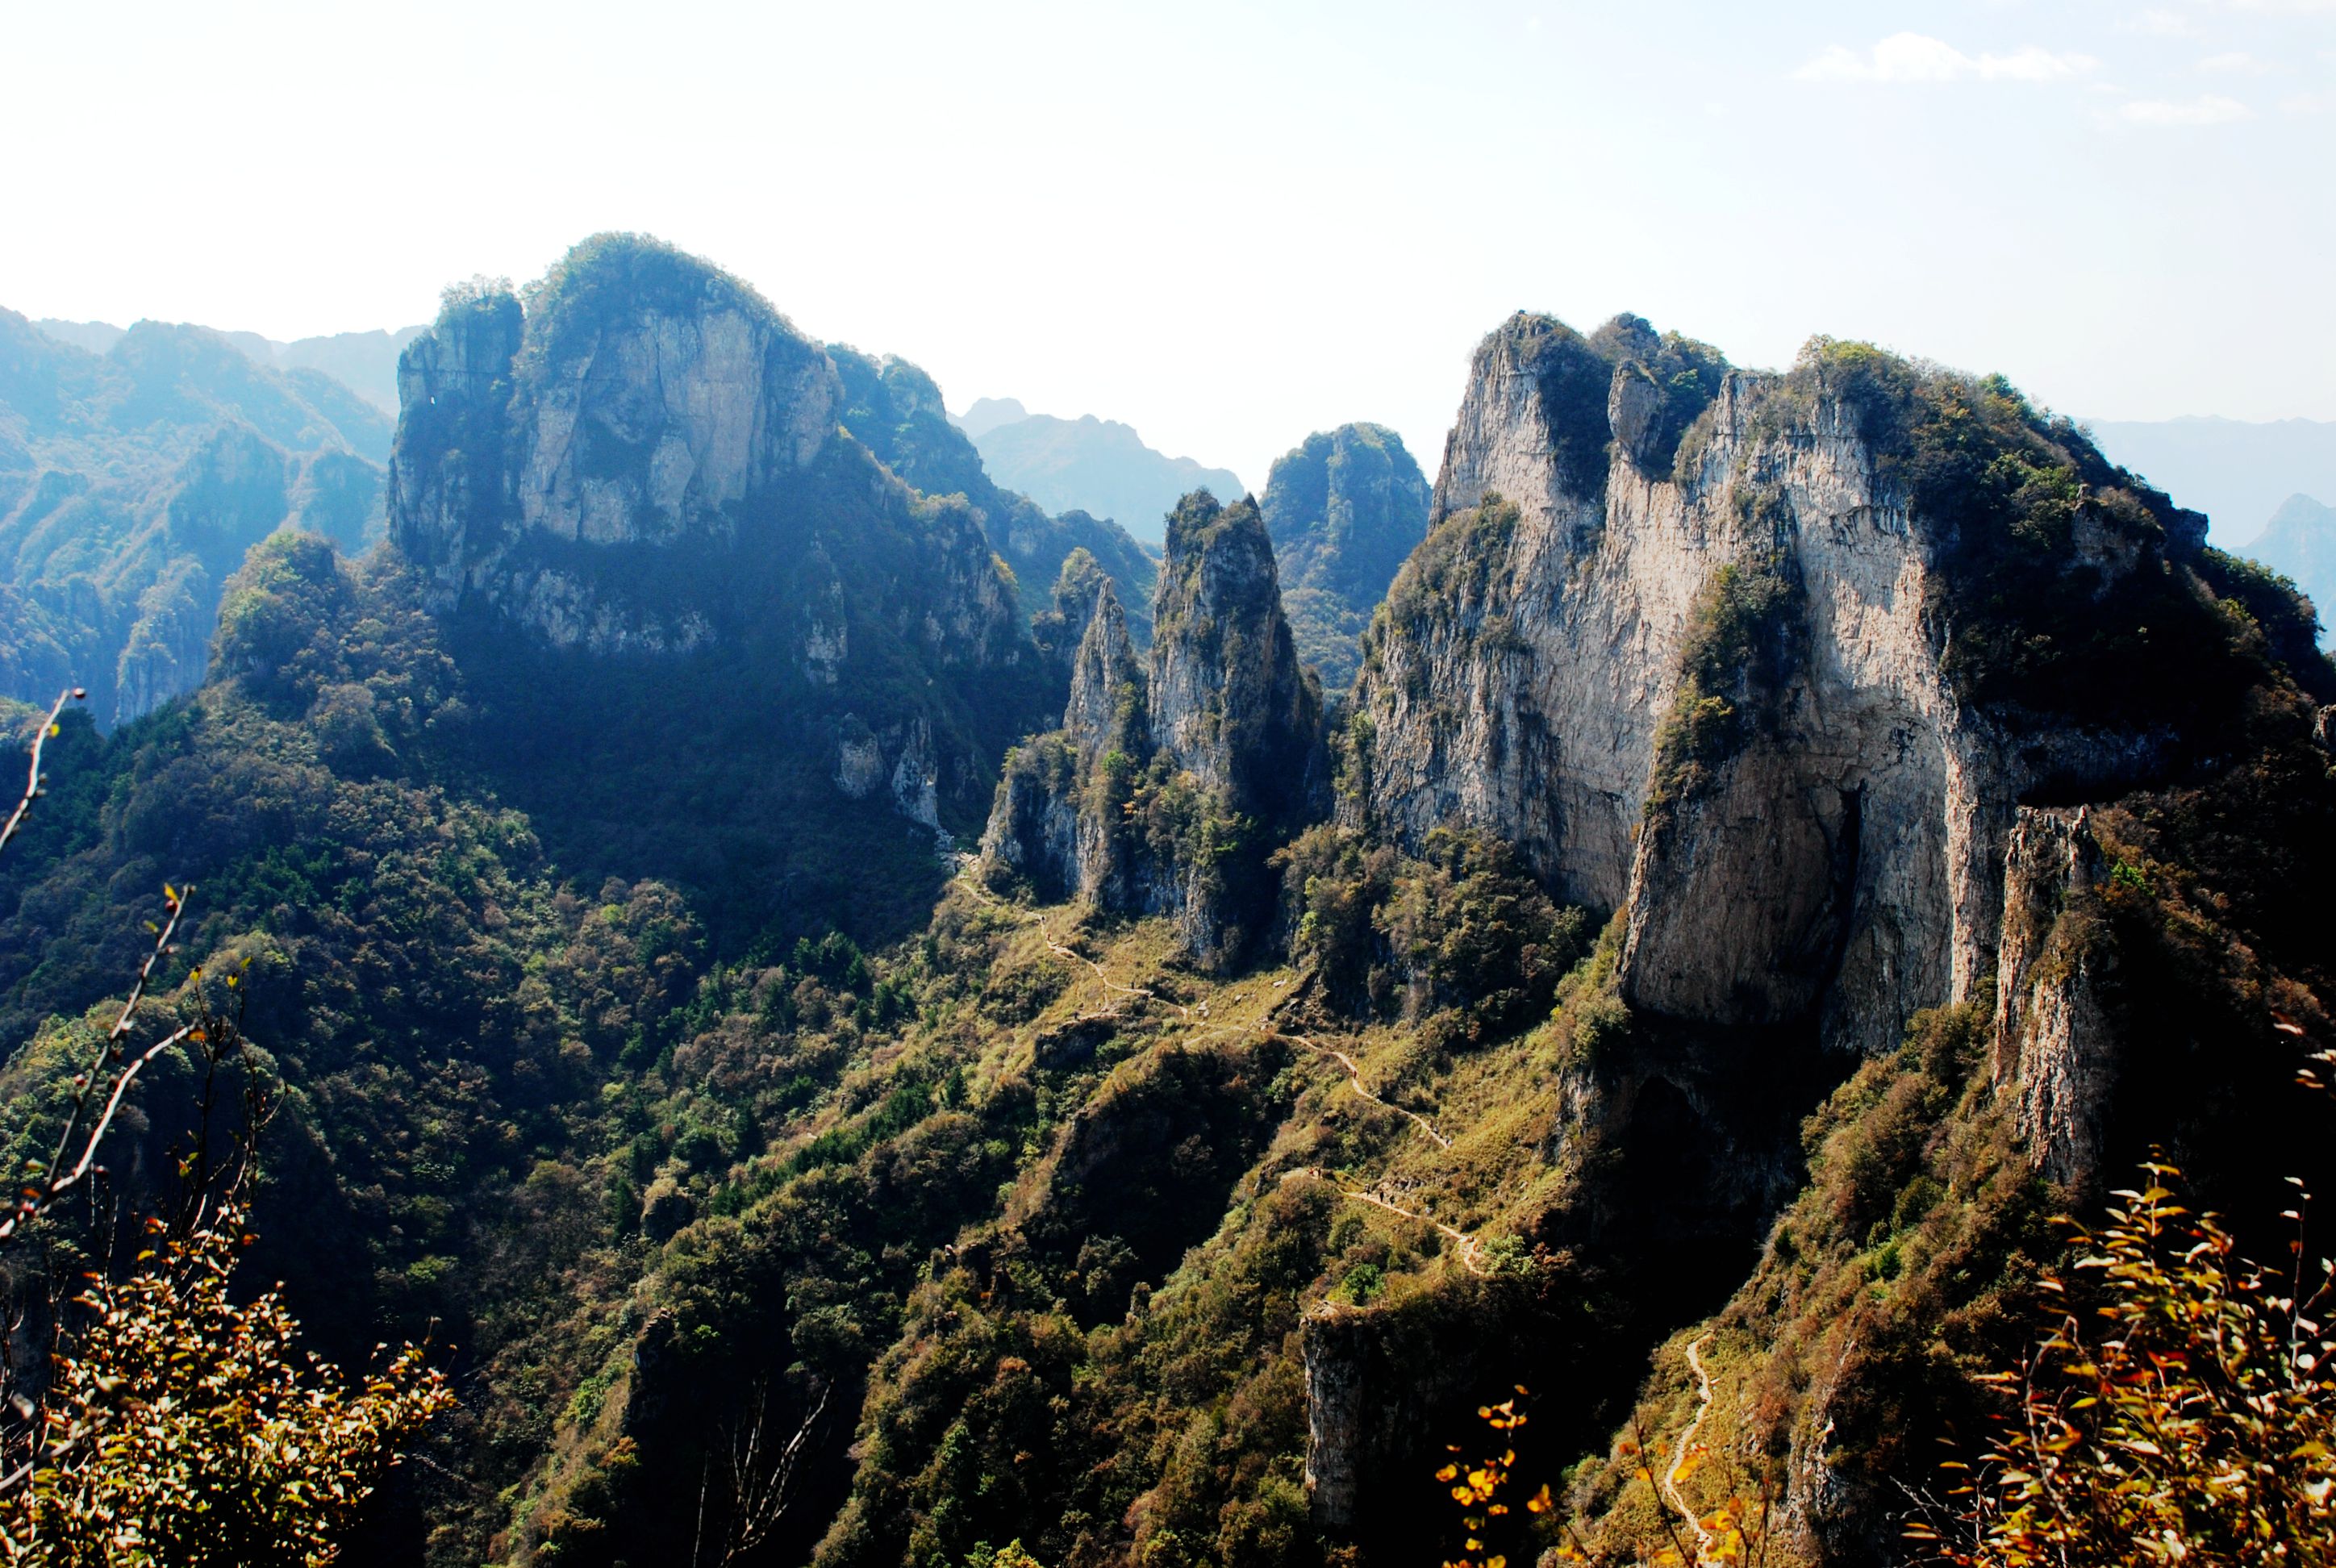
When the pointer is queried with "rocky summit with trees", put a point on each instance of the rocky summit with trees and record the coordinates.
(732, 992)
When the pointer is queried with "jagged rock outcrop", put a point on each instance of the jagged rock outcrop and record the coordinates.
(1345, 507)
(648, 461)
(1169, 784)
(1108, 686)
(2055, 1044)
(1229, 699)
(904, 759)
(1062, 625)
(1682, 635)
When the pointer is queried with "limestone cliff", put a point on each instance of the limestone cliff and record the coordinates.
(1345, 507)
(1686, 637)
(1170, 784)
(1229, 699)
(649, 405)
(1847, 691)
(645, 460)
(2055, 1052)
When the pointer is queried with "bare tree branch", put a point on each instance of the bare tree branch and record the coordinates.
(33, 775)
(64, 1169)
(761, 1485)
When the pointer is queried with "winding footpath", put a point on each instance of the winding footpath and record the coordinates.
(1686, 1447)
(1355, 1082)
(1471, 1252)
(1111, 985)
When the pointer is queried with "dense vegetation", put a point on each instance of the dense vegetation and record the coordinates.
(445, 1013)
(779, 1193)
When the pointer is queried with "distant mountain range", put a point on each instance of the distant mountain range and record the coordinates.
(1098, 466)
(365, 362)
(133, 478)
(2236, 472)
(2302, 542)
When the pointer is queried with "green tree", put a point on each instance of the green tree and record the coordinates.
(173, 1426)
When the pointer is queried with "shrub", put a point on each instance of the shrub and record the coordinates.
(1462, 927)
(185, 1430)
(2192, 1421)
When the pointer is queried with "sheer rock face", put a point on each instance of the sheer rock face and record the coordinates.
(1107, 684)
(446, 467)
(2055, 1043)
(1375, 1379)
(648, 462)
(1230, 703)
(1845, 857)
(1222, 712)
(649, 428)
(1047, 826)
(1035, 822)
(664, 425)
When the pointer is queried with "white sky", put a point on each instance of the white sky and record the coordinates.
(1228, 225)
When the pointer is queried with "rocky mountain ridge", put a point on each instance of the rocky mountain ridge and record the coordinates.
(1168, 782)
(1711, 681)
(1751, 662)
(1790, 836)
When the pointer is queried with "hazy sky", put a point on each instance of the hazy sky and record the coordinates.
(1228, 225)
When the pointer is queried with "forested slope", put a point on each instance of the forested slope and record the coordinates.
(131, 484)
(1792, 836)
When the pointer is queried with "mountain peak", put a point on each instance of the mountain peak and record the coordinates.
(987, 414)
(1099, 466)
(1345, 507)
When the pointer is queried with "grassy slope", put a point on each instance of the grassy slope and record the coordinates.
(1108, 1335)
